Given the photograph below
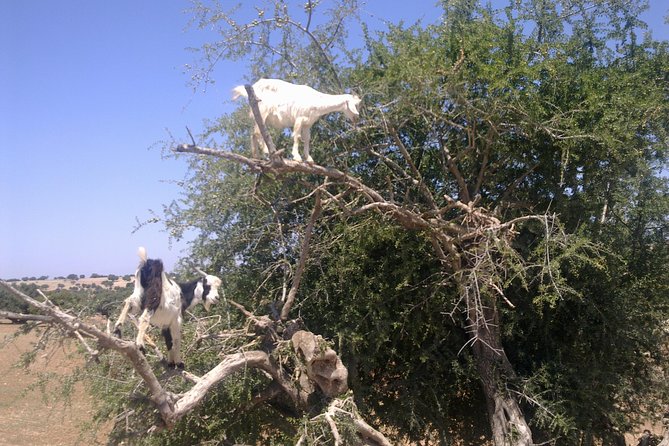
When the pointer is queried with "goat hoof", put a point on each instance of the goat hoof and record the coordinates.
(179, 365)
(142, 349)
(117, 332)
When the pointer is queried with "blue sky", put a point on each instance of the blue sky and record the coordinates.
(88, 89)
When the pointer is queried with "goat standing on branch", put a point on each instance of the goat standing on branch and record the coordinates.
(163, 303)
(283, 104)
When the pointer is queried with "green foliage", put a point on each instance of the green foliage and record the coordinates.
(378, 291)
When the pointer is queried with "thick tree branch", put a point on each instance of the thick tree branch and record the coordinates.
(20, 317)
(408, 218)
(455, 171)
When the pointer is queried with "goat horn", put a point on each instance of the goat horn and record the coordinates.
(200, 271)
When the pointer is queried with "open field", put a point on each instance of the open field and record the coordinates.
(54, 284)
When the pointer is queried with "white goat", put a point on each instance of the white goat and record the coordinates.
(283, 104)
(163, 302)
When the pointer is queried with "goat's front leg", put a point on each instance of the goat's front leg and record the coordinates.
(121, 319)
(254, 144)
(144, 321)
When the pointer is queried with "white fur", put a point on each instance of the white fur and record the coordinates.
(283, 104)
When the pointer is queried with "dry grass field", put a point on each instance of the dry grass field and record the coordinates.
(54, 284)
(26, 416)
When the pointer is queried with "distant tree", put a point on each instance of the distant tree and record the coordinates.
(9, 302)
(107, 283)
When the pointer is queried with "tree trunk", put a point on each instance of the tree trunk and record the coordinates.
(665, 433)
(507, 421)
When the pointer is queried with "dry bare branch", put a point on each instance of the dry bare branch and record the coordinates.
(304, 254)
(20, 317)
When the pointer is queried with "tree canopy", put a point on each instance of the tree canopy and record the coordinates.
(486, 250)
(543, 108)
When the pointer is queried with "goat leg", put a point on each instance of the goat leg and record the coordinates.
(144, 321)
(121, 318)
(174, 345)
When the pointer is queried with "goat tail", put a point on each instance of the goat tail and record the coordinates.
(238, 92)
(141, 252)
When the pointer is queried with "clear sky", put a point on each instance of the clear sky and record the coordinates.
(88, 89)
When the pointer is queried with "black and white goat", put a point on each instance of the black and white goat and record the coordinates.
(163, 302)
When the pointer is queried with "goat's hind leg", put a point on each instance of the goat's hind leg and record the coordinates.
(257, 140)
(172, 336)
(306, 140)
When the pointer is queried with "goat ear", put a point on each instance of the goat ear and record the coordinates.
(200, 271)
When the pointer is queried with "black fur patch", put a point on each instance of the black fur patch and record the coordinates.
(167, 334)
(206, 287)
(188, 293)
(150, 276)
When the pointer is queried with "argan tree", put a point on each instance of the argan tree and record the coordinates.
(488, 242)
(497, 147)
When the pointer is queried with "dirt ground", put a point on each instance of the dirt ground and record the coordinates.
(25, 417)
